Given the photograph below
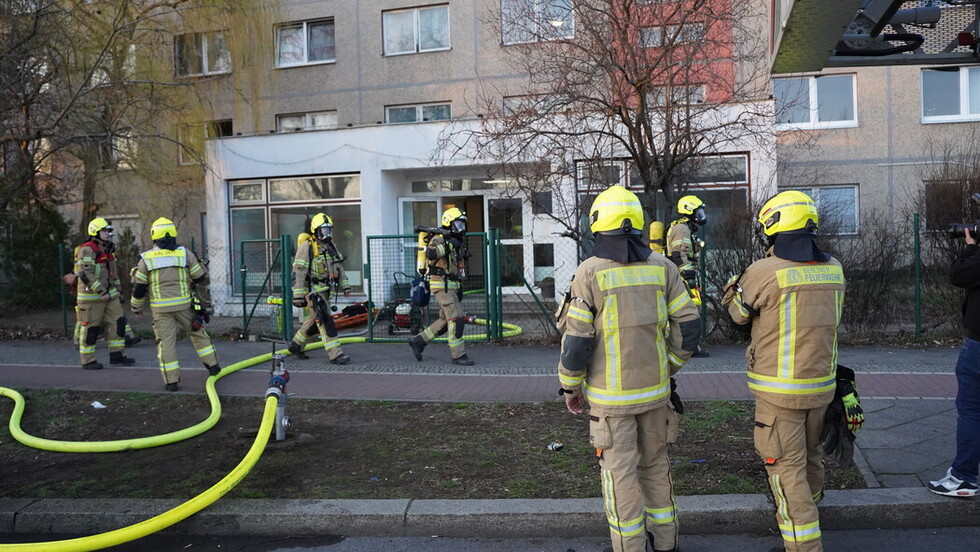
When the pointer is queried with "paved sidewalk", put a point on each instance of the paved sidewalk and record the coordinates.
(908, 438)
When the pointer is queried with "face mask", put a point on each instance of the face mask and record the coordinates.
(323, 233)
(457, 226)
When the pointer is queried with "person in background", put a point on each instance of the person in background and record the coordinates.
(961, 476)
(99, 301)
(175, 284)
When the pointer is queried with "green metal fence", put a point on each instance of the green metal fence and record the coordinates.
(265, 268)
(390, 269)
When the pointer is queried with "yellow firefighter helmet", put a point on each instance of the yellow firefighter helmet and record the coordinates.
(321, 226)
(616, 209)
(97, 225)
(792, 210)
(163, 227)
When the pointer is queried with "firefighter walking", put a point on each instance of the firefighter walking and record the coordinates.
(792, 301)
(445, 258)
(629, 325)
(317, 269)
(99, 301)
(174, 282)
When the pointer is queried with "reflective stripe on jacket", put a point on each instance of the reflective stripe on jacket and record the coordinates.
(792, 359)
(628, 317)
(101, 271)
(168, 273)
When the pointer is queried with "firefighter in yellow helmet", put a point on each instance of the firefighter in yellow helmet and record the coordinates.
(175, 283)
(791, 301)
(446, 255)
(683, 245)
(629, 325)
(317, 271)
(99, 301)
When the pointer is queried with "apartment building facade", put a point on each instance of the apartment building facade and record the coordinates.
(353, 109)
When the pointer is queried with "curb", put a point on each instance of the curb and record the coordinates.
(509, 518)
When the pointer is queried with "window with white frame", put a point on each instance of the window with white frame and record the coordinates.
(837, 206)
(415, 30)
(417, 113)
(305, 42)
(950, 94)
(264, 209)
(823, 101)
(314, 120)
(524, 21)
(200, 54)
(671, 35)
(679, 95)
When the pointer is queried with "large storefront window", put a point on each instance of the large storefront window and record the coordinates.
(291, 203)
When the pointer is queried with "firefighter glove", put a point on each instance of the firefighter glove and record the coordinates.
(731, 289)
(853, 411)
(299, 302)
(675, 399)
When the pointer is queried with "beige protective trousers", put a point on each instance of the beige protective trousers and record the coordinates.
(788, 440)
(309, 328)
(95, 317)
(449, 310)
(637, 491)
(165, 327)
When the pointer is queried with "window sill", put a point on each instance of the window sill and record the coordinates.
(306, 64)
(399, 54)
(817, 126)
(203, 75)
(972, 118)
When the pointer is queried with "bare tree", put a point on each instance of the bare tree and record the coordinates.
(89, 90)
(656, 84)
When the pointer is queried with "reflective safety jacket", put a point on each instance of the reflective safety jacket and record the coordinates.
(97, 272)
(628, 328)
(444, 261)
(166, 277)
(794, 308)
(314, 270)
(682, 247)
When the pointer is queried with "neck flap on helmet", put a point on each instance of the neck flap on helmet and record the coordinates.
(622, 248)
(799, 246)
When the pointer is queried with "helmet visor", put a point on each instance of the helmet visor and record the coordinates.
(457, 226)
(324, 231)
(699, 216)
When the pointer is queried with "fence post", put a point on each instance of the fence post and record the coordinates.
(494, 292)
(241, 271)
(63, 288)
(918, 284)
(285, 245)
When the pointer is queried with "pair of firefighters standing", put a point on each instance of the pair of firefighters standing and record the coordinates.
(618, 360)
(170, 278)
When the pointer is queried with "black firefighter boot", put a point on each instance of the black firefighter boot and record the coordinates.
(418, 345)
(296, 350)
(214, 369)
(94, 365)
(117, 357)
(650, 541)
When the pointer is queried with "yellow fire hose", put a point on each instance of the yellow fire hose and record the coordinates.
(199, 502)
(170, 517)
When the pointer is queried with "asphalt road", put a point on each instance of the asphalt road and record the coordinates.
(960, 539)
